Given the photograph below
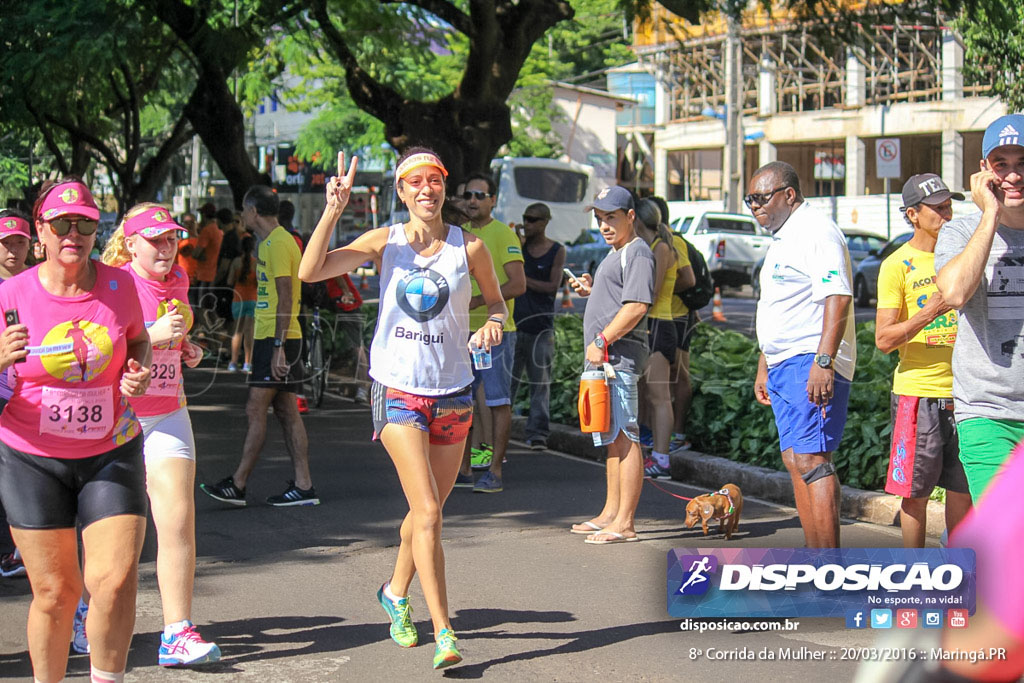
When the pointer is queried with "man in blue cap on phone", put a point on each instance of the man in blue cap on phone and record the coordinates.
(980, 264)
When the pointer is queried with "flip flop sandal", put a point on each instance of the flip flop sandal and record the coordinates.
(616, 538)
(594, 528)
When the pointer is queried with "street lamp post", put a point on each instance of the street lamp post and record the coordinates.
(732, 168)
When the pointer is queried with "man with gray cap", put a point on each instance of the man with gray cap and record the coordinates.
(615, 334)
(980, 264)
(913, 318)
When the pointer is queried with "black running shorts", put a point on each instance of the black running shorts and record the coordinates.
(262, 357)
(56, 493)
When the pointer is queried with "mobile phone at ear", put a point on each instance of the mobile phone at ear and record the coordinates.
(11, 318)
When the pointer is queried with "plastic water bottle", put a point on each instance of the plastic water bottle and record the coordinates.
(481, 357)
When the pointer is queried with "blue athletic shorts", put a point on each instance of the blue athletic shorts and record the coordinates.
(622, 394)
(800, 422)
(497, 379)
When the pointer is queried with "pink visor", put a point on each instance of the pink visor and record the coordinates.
(69, 199)
(150, 223)
(12, 225)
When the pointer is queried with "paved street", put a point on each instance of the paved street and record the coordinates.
(289, 593)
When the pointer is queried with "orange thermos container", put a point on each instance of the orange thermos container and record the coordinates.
(594, 406)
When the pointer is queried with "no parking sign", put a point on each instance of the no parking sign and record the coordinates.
(887, 158)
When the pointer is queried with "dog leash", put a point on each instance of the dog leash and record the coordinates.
(674, 495)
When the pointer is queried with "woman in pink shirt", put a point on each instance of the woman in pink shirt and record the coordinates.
(145, 245)
(70, 444)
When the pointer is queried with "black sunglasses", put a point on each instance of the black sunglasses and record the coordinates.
(62, 226)
(475, 194)
(533, 219)
(762, 198)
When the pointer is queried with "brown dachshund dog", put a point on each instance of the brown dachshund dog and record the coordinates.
(725, 505)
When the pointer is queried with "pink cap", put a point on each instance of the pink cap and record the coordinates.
(13, 225)
(150, 223)
(69, 199)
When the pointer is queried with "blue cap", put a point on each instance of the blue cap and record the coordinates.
(612, 198)
(1006, 130)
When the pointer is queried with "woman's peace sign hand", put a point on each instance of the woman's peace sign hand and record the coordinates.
(339, 187)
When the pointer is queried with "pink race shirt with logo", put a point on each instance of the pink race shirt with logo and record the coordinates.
(166, 392)
(67, 401)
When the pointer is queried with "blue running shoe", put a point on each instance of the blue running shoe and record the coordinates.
(488, 483)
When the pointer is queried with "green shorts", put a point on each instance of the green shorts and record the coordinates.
(985, 444)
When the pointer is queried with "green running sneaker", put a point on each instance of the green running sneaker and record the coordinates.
(403, 631)
(480, 458)
(446, 653)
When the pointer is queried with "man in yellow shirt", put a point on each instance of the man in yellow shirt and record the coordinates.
(507, 255)
(276, 374)
(913, 318)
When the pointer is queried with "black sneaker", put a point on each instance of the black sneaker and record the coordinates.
(293, 495)
(225, 491)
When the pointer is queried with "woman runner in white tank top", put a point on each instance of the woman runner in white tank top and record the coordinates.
(422, 408)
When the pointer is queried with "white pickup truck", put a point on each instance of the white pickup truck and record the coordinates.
(731, 243)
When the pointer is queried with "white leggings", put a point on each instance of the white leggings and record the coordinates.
(168, 436)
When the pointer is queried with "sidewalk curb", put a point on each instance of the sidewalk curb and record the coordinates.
(712, 472)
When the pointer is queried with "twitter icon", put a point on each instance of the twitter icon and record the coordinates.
(881, 618)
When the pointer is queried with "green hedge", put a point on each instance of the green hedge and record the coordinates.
(726, 420)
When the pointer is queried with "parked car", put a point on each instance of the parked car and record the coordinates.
(584, 254)
(860, 244)
(865, 276)
(731, 243)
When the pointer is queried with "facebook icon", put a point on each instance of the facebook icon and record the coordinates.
(856, 619)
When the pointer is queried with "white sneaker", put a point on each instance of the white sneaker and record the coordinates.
(186, 647)
(362, 396)
(79, 641)
(232, 367)
(246, 367)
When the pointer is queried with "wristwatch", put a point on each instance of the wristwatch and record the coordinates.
(823, 360)
(278, 343)
(600, 342)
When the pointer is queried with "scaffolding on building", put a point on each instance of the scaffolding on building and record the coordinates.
(799, 68)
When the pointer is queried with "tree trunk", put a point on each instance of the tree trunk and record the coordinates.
(217, 119)
(465, 134)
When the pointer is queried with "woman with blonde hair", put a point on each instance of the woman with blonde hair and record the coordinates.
(145, 245)
(420, 398)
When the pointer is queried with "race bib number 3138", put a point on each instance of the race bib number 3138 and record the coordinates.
(77, 413)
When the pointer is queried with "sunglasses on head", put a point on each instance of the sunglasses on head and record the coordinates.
(62, 226)
(533, 219)
(475, 194)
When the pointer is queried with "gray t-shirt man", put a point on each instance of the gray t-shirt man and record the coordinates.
(988, 357)
(624, 276)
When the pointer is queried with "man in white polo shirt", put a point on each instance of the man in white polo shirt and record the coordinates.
(805, 329)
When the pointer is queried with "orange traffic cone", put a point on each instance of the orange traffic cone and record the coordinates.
(363, 284)
(716, 307)
(566, 302)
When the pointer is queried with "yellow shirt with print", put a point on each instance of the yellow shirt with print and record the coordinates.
(679, 309)
(278, 256)
(905, 281)
(503, 243)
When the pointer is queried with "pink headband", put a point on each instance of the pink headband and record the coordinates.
(417, 160)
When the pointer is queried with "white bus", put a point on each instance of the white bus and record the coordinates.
(564, 186)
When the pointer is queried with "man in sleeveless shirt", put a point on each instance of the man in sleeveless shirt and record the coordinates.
(543, 259)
